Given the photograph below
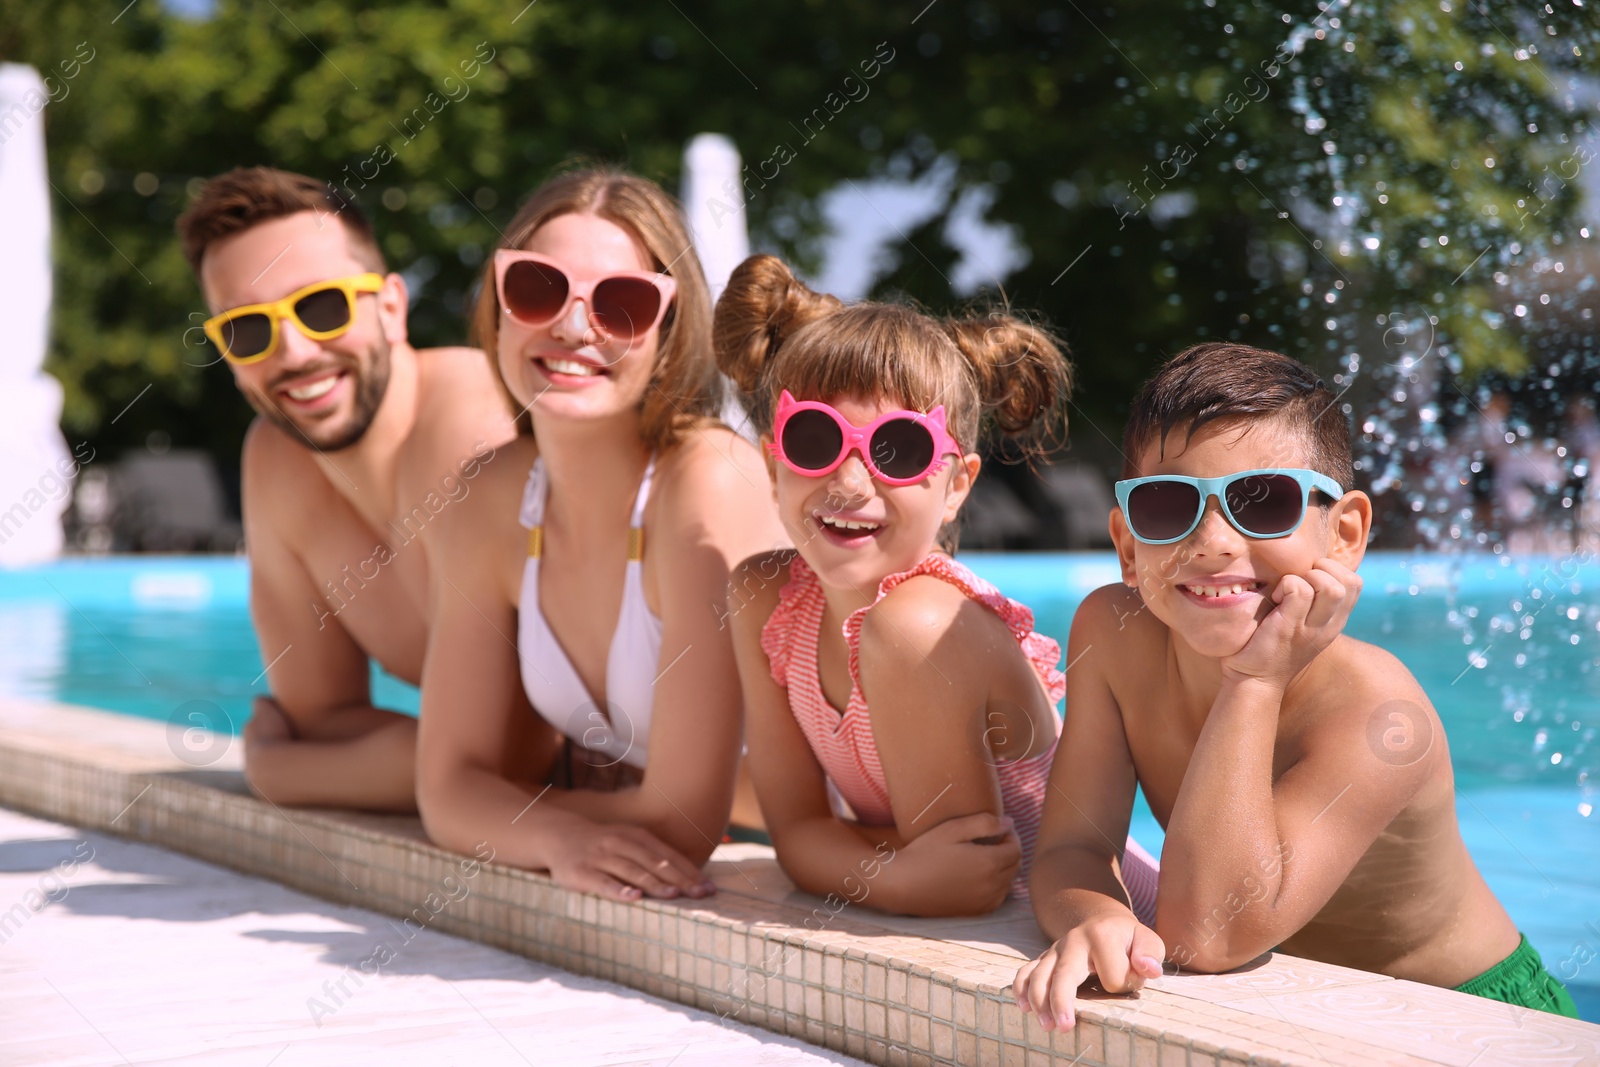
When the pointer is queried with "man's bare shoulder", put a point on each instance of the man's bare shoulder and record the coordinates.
(449, 378)
(278, 471)
(461, 412)
(458, 392)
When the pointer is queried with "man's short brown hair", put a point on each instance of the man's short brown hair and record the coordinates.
(1219, 381)
(233, 202)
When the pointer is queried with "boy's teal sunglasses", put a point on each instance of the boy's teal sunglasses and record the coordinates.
(1263, 504)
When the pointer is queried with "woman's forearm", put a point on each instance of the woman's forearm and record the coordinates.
(644, 806)
(473, 806)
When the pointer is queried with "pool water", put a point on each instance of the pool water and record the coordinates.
(1509, 652)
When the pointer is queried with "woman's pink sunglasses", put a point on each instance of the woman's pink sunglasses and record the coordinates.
(536, 291)
(898, 447)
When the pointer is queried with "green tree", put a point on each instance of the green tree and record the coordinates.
(1176, 170)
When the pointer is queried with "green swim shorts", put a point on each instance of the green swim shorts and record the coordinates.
(1521, 978)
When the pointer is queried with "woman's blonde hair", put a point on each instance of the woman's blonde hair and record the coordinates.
(684, 387)
(772, 332)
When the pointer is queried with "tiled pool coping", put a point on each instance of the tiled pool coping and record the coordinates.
(890, 990)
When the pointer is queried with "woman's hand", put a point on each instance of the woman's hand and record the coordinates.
(963, 866)
(625, 863)
(1310, 612)
(1113, 946)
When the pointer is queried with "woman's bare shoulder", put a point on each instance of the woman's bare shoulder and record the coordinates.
(710, 464)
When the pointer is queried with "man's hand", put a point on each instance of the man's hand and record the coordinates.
(1113, 946)
(1311, 611)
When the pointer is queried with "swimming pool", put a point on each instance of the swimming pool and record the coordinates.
(1508, 651)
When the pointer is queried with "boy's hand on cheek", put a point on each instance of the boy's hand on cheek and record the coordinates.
(1116, 948)
(1310, 612)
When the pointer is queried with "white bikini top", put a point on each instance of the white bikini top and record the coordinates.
(621, 730)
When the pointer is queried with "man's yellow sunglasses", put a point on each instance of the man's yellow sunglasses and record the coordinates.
(249, 334)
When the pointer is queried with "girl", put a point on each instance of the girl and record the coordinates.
(585, 576)
(875, 667)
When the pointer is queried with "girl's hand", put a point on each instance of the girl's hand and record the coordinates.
(962, 866)
(1311, 612)
(1115, 947)
(625, 863)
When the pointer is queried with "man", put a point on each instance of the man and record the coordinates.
(360, 442)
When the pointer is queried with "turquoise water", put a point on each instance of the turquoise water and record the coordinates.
(1508, 652)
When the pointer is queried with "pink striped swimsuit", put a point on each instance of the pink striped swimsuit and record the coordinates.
(844, 745)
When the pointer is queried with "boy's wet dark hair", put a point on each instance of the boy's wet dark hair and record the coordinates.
(1224, 381)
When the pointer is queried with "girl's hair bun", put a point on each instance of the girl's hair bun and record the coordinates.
(1022, 372)
(763, 305)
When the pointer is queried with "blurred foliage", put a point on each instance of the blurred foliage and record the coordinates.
(1175, 170)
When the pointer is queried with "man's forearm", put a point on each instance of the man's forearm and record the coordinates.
(373, 769)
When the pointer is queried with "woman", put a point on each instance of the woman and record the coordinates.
(587, 577)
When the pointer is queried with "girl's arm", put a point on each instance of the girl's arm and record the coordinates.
(714, 510)
(481, 752)
(820, 853)
(934, 666)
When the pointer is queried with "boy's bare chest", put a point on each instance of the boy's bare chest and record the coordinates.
(1163, 733)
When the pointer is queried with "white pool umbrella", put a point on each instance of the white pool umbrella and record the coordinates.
(713, 204)
(713, 200)
(35, 468)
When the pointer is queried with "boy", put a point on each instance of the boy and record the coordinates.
(1302, 776)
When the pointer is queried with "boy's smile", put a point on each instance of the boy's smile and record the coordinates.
(1215, 586)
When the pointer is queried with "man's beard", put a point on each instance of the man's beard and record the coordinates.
(369, 388)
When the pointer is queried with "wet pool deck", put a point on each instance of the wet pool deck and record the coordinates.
(889, 990)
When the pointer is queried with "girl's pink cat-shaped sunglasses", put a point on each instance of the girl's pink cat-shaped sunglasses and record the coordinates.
(898, 447)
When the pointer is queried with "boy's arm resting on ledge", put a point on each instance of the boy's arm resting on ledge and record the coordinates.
(1076, 884)
(1077, 863)
(1252, 856)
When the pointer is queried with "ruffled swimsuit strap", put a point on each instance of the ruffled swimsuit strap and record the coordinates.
(1043, 652)
(777, 634)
